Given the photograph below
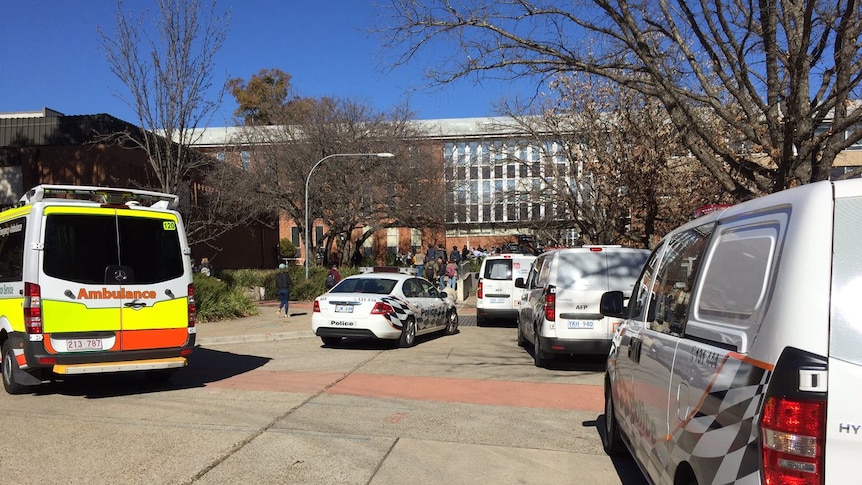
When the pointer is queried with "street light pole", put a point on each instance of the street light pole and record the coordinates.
(307, 179)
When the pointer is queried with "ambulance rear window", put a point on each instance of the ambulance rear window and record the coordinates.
(83, 247)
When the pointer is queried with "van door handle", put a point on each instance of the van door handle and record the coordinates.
(635, 349)
(135, 305)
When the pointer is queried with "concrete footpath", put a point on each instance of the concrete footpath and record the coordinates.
(267, 325)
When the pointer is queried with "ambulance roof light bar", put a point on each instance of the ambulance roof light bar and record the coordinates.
(105, 195)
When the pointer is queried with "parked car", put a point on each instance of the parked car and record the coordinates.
(559, 310)
(383, 305)
(739, 357)
(497, 298)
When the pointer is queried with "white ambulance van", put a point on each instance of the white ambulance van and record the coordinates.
(740, 357)
(559, 310)
(496, 295)
(93, 279)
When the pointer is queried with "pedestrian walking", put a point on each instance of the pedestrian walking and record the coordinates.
(283, 284)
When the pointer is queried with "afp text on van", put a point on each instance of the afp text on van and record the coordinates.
(93, 279)
(740, 356)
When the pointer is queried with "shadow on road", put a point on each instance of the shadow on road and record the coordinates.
(625, 465)
(205, 366)
(374, 344)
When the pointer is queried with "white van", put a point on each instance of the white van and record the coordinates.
(93, 279)
(559, 311)
(740, 359)
(496, 295)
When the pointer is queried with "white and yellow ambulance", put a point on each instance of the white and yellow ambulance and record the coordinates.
(93, 280)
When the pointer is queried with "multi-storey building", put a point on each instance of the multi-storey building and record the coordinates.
(482, 161)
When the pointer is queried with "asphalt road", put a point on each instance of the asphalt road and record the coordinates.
(462, 409)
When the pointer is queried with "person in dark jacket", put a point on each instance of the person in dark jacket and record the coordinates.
(332, 278)
(283, 284)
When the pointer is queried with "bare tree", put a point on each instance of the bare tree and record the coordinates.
(779, 76)
(347, 193)
(168, 69)
(613, 166)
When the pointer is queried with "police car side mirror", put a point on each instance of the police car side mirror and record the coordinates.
(520, 283)
(612, 305)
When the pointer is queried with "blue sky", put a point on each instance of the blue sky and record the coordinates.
(51, 57)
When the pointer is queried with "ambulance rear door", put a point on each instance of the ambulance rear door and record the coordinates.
(112, 280)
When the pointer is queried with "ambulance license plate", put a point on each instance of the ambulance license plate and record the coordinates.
(580, 324)
(343, 308)
(83, 344)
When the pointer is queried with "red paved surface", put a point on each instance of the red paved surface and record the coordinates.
(469, 391)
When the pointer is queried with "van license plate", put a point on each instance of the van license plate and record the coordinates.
(83, 344)
(497, 300)
(343, 308)
(580, 324)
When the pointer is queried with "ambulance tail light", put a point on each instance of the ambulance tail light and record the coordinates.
(793, 434)
(479, 290)
(193, 309)
(32, 308)
(551, 303)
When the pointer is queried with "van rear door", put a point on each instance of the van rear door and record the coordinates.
(843, 416)
(112, 280)
(582, 277)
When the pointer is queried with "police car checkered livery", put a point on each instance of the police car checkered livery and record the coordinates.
(739, 360)
(383, 305)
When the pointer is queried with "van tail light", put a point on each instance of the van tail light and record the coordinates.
(381, 308)
(32, 308)
(793, 434)
(479, 290)
(793, 421)
(551, 304)
(193, 309)
(316, 308)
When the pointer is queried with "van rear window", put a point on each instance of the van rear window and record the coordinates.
(845, 337)
(88, 248)
(498, 269)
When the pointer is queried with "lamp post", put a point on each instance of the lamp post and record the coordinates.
(307, 179)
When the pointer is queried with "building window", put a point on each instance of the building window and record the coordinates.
(245, 156)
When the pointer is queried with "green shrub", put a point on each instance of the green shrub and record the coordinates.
(216, 300)
(219, 299)
(287, 248)
(244, 278)
(302, 289)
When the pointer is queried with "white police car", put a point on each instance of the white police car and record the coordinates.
(390, 306)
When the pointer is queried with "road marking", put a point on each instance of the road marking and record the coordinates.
(444, 389)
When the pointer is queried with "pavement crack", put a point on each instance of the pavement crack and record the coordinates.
(382, 460)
